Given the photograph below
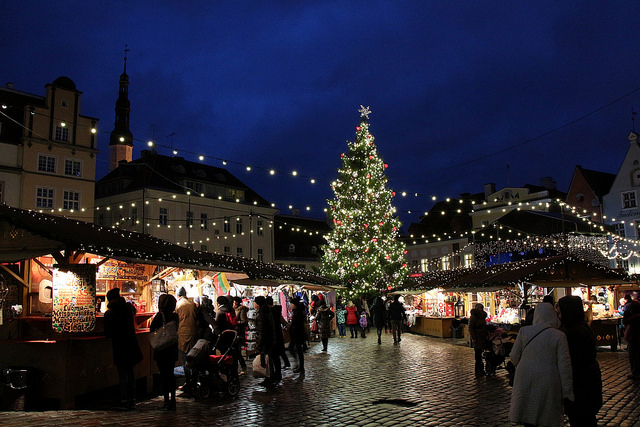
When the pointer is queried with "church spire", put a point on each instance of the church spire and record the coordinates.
(121, 142)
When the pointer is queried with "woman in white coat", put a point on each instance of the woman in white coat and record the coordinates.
(543, 371)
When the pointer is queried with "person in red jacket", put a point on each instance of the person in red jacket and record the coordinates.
(352, 319)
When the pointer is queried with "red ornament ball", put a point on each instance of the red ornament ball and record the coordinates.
(336, 250)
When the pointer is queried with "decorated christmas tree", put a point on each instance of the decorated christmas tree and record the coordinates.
(362, 250)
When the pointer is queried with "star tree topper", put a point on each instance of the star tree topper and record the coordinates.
(364, 111)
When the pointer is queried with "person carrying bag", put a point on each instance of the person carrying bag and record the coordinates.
(165, 336)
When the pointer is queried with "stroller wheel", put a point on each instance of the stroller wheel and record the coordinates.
(233, 386)
(204, 391)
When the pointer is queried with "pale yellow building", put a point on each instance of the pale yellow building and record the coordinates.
(48, 151)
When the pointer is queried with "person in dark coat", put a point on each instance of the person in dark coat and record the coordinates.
(297, 333)
(479, 335)
(242, 322)
(265, 336)
(205, 316)
(379, 314)
(324, 315)
(631, 322)
(166, 358)
(225, 316)
(280, 351)
(397, 316)
(587, 378)
(119, 326)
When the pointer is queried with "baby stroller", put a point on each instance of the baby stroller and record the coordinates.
(499, 344)
(215, 372)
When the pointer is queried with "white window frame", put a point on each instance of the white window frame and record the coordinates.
(163, 216)
(46, 163)
(71, 200)
(629, 200)
(133, 213)
(45, 194)
(72, 167)
(62, 133)
(468, 260)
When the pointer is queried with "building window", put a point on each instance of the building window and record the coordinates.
(239, 226)
(64, 103)
(1, 191)
(204, 248)
(72, 167)
(189, 219)
(163, 217)
(260, 231)
(195, 186)
(446, 263)
(46, 163)
(227, 224)
(260, 255)
(227, 250)
(314, 250)
(424, 265)
(623, 264)
(101, 218)
(629, 200)
(239, 252)
(71, 200)
(619, 229)
(292, 248)
(44, 197)
(134, 215)
(204, 223)
(62, 133)
(468, 260)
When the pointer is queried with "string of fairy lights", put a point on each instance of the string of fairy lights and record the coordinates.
(622, 248)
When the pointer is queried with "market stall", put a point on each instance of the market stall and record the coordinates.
(54, 275)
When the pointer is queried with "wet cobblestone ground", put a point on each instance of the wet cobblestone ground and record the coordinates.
(422, 381)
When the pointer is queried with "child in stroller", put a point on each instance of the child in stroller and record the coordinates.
(499, 344)
(215, 372)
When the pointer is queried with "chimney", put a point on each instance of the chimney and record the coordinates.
(548, 183)
(489, 189)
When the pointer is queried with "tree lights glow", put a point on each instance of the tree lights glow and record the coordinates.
(363, 251)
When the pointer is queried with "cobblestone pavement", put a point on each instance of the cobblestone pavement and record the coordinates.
(421, 381)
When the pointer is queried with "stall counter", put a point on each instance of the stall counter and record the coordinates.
(606, 332)
(433, 326)
(64, 366)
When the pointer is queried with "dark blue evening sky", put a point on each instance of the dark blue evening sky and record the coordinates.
(463, 93)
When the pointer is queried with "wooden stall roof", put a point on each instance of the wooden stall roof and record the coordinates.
(28, 234)
(551, 272)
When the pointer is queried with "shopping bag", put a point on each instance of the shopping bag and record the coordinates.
(314, 326)
(164, 337)
(260, 371)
